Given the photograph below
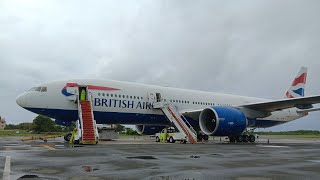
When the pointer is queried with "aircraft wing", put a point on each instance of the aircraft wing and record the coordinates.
(270, 106)
(264, 109)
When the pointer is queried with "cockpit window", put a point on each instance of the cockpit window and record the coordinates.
(43, 89)
(39, 89)
(35, 89)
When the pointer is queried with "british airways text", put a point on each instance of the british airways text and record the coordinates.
(118, 103)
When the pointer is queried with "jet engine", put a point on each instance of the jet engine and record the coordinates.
(148, 130)
(222, 121)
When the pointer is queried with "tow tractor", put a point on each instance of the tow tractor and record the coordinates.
(170, 135)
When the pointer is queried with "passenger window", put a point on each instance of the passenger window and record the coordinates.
(138, 97)
(141, 97)
(99, 94)
(130, 97)
(123, 96)
(115, 95)
(134, 97)
(111, 95)
(103, 94)
(107, 95)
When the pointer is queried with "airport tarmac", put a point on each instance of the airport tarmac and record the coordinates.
(145, 159)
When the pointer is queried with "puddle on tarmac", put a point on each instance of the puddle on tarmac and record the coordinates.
(195, 157)
(142, 157)
(28, 176)
(216, 155)
(32, 176)
(315, 161)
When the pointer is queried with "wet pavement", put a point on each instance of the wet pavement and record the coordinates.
(145, 159)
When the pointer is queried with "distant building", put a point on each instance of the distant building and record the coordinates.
(2, 123)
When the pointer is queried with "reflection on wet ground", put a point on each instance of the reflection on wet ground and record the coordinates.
(145, 159)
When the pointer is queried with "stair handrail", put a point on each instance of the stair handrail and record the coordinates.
(185, 120)
(188, 124)
(93, 120)
(80, 116)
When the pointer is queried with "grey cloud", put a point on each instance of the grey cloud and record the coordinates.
(252, 48)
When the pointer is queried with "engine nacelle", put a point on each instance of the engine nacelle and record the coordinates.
(222, 121)
(63, 122)
(148, 130)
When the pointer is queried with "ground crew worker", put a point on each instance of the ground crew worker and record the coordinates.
(74, 132)
(83, 95)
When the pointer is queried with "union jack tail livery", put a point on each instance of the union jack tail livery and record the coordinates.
(298, 85)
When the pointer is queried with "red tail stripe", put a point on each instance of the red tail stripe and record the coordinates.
(301, 79)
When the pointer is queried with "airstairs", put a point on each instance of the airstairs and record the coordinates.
(89, 132)
(86, 131)
(177, 119)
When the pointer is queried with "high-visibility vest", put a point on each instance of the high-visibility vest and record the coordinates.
(83, 95)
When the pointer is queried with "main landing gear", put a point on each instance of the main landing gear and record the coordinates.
(246, 136)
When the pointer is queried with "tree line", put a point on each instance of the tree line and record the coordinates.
(298, 132)
(45, 124)
(39, 124)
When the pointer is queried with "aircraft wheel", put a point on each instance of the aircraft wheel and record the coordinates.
(67, 137)
(171, 140)
(252, 138)
(232, 139)
(157, 139)
(245, 138)
(205, 137)
(239, 138)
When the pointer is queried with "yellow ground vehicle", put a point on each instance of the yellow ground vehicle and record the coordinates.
(170, 135)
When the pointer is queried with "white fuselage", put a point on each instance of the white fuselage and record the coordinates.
(114, 100)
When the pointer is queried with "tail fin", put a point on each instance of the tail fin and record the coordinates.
(298, 85)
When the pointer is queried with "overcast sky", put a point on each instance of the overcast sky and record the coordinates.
(252, 48)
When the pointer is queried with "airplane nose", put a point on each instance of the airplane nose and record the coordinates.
(21, 100)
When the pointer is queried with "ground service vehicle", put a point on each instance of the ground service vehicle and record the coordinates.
(170, 135)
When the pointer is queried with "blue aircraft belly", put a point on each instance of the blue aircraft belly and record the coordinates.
(109, 117)
(133, 118)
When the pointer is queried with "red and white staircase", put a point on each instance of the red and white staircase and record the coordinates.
(89, 134)
(178, 120)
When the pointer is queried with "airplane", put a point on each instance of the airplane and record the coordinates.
(116, 102)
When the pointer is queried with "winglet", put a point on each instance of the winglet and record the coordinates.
(298, 85)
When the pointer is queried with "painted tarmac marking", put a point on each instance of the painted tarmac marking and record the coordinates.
(49, 147)
(272, 146)
(6, 171)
